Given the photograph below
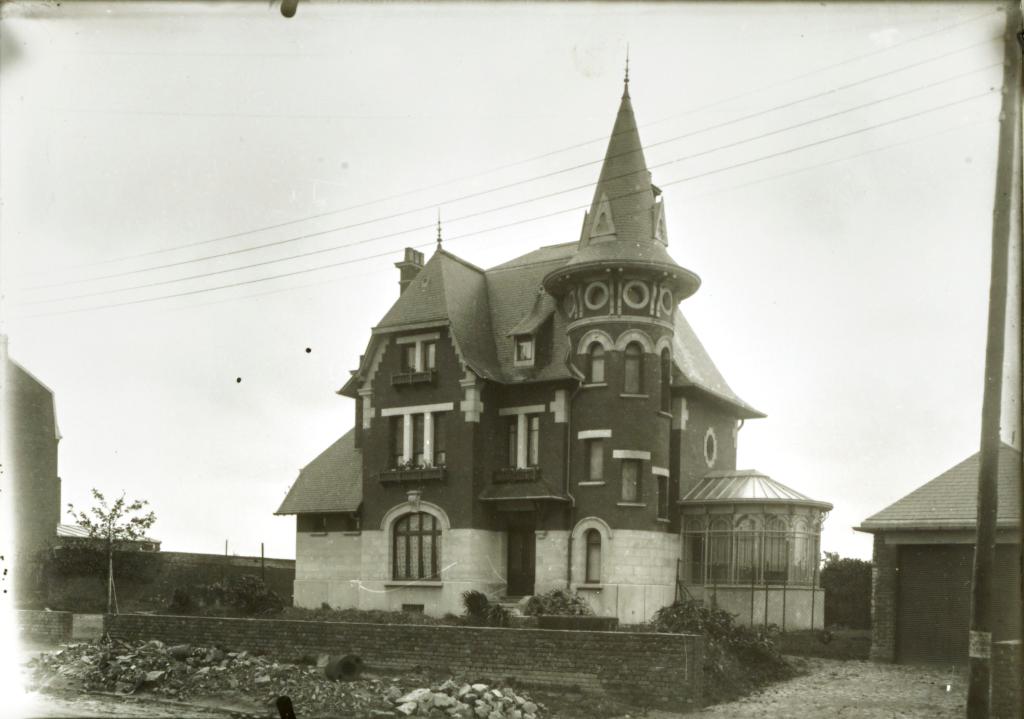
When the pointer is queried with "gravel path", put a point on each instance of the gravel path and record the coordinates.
(855, 690)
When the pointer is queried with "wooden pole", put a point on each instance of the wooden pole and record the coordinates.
(980, 639)
(263, 568)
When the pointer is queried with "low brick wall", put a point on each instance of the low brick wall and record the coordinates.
(43, 626)
(643, 669)
(1007, 680)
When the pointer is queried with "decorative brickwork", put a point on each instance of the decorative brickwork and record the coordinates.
(642, 669)
(1007, 680)
(52, 627)
(883, 600)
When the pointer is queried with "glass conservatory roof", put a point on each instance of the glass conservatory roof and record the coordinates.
(746, 485)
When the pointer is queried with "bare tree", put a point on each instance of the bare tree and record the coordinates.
(117, 523)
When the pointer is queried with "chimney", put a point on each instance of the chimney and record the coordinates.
(408, 268)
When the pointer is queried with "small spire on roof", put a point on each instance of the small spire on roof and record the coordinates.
(625, 89)
(439, 228)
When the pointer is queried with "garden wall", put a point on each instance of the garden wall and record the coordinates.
(75, 576)
(50, 627)
(642, 669)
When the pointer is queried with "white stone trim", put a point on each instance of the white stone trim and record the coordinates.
(681, 414)
(635, 335)
(591, 523)
(405, 507)
(592, 336)
(710, 459)
(527, 409)
(631, 454)
(418, 409)
(411, 339)
(470, 405)
(559, 406)
(594, 434)
(663, 343)
(625, 294)
(659, 471)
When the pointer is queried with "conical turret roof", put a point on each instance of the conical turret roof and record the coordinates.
(626, 224)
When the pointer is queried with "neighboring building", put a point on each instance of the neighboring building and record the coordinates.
(29, 456)
(68, 534)
(924, 555)
(553, 421)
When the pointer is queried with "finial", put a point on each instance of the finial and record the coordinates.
(625, 89)
(439, 228)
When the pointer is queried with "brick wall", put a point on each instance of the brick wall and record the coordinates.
(1007, 680)
(883, 600)
(643, 669)
(44, 626)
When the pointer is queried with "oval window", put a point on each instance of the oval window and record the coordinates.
(596, 295)
(665, 300)
(710, 447)
(636, 294)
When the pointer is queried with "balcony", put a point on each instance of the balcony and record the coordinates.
(516, 474)
(413, 474)
(399, 379)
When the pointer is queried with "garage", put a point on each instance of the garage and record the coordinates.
(923, 560)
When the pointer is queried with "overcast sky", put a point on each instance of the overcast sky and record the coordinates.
(843, 239)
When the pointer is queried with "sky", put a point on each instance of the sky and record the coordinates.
(828, 171)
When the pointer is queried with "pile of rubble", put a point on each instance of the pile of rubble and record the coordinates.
(184, 672)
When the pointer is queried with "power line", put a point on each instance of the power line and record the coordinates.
(545, 155)
(506, 186)
(523, 221)
(335, 248)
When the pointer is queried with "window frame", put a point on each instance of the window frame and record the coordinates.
(663, 498)
(666, 380)
(414, 537)
(528, 342)
(396, 450)
(638, 481)
(633, 369)
(595, 362)
(592, 560)
(440, 448)
(532, 440)
(592, 444)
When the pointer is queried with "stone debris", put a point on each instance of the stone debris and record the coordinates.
(182, 672)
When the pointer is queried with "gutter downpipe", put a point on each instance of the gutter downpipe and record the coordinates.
(568, 470)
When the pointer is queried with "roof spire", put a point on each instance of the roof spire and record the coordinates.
(625, 88)
(439, 228)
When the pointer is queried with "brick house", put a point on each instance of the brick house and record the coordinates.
(923, 560)
(550, 422)
(28, 416)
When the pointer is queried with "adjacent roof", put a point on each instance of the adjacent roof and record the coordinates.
(533, 489)
(950, 501)
(73, 531)
(746, 486)
(333, 482)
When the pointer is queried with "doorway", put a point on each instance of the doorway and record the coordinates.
(522, 554)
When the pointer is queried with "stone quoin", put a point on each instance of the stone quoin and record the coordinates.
(552, 422)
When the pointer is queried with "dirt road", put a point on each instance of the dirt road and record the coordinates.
(855, 690)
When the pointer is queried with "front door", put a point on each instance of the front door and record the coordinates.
(521, 556)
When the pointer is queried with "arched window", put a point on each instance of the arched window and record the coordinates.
(633, 369)
(595, 357)
(593, 544)
(416, 547)
(666, 381)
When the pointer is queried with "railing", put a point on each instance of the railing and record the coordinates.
(415, 474)
(516, 474)
(412, 377)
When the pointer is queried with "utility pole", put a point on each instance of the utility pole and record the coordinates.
(980, 641)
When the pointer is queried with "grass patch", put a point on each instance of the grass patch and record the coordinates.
(834, 644)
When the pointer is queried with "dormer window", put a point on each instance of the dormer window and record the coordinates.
(524, 351)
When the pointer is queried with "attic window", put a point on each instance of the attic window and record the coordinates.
(524, 350)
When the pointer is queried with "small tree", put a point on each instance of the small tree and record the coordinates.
(116, 524)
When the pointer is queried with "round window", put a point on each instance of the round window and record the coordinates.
(710, 447)
(636, 294)
(596, 295)
(665, 300)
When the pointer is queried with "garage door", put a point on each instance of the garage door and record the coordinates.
(934, 601)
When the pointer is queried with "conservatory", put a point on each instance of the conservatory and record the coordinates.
(751, 546)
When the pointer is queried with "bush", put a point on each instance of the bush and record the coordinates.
(559, 602)
(245, 596)
(364, 616)
(736, 658)
(480, 611)
(847, 585)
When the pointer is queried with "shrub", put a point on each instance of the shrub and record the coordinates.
(364, 616)
(480, 611)
(245, 596)
(736, 658)
(847, 585)
(559, 602)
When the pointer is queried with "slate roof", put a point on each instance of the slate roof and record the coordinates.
(746, 486)
(950, 501)
(333, 482)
